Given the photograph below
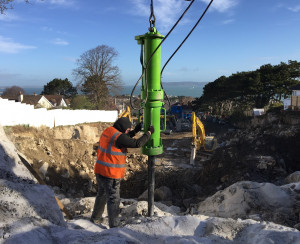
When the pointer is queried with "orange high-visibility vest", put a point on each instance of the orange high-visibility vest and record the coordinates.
(111, 161)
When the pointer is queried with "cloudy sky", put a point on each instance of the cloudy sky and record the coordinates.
(41, 40)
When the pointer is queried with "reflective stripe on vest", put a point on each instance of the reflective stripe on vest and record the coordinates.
(111, 142)
(111, 161)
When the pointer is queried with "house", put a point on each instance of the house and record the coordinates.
(56, 100)
(40, 101)
(295, 98)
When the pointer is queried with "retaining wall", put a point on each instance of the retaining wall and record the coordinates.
(15, 113)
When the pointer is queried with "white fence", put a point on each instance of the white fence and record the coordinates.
(15, 113)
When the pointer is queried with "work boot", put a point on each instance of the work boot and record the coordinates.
(97, 221)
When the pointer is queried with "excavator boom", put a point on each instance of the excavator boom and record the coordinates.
(200, 141)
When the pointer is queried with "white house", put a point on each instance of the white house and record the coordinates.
(295, 98)
(40, 101)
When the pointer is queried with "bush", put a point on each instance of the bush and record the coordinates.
(276, 107)
(238, 116)
(81, 102)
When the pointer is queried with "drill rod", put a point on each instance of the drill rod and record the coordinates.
(151, 183)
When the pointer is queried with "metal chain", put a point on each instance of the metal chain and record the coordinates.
(152, 16)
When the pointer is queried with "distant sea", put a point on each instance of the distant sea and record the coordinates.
(191, 89)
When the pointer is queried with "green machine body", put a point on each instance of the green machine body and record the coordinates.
(151, 93)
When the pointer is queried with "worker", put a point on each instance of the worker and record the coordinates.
(110, 166)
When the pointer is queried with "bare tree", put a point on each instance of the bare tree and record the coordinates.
(97, 75)
(13, 91)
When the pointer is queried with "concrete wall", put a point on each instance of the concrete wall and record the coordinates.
(15, 113)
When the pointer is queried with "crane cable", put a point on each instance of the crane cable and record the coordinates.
(152, 24)
(148, 62)
(180, 47)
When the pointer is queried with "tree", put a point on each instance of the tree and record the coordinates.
(81, 102)
(59, 87)
(245, 90)
(13, 91)
(97, 75)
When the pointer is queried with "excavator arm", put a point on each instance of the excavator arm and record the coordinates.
(199, 140)
(126, 113)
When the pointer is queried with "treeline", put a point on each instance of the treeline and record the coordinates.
(253, 89)
(97, 77)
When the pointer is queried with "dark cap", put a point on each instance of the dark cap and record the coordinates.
(122, 124)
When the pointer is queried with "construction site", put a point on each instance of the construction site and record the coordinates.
(264, 150)
(195, 178)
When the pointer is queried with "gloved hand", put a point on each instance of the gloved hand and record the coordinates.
(138, 127)
(151, 129)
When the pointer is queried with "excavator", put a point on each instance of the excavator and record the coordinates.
(170, 122)
(200, 142)
(126, 113)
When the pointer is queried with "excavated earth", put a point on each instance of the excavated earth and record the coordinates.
(263, 149)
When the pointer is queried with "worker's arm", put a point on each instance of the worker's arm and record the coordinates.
(137, 128)
(126, 141)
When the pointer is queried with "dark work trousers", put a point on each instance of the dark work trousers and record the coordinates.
(108, 192)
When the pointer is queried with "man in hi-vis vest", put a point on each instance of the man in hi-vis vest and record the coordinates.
(110, 166)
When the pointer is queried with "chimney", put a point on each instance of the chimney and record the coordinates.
(34, 94)
(20, 97)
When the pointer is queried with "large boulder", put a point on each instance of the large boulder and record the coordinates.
(259, 201)
(20, 195)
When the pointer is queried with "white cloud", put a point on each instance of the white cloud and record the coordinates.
(222, 5)
(47, 28)
(70, 59)
(62, 2)
(168, 11)
(7, 45)
(8, 16)
(165, 11)
(61, 42)
(294, 9)
(228, 21)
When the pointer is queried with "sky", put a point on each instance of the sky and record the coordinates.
(41, 40)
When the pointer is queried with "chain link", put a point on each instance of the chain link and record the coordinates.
(152, 17)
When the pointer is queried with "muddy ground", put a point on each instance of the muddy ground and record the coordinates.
(264, 149)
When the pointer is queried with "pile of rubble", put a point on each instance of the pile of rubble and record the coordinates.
(266, 149)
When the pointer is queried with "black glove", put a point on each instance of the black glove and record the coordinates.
(151, 129)
(138, 127)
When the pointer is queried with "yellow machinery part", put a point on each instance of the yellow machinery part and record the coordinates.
(208, 143)
(126, 113)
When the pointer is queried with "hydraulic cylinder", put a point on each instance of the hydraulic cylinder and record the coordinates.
(151, 92)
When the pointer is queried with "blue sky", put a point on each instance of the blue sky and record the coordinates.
(41, 40)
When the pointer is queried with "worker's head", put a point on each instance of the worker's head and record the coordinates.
(123, 124)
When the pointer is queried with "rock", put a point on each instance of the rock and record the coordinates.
(76, 134)
(66, 174)
(163, 194)
(294, 177)
(266, 162)
(144, 196)
(248, 199)
(297, 226)
(43, 169)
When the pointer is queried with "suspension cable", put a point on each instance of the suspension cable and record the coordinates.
(180, 47)
(148, 62)
(187, 36)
